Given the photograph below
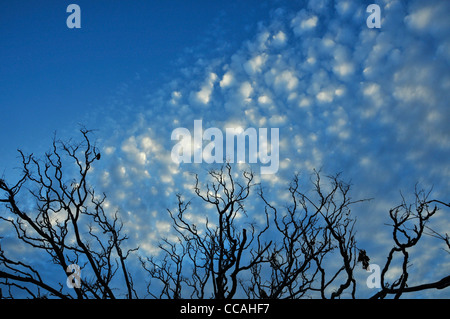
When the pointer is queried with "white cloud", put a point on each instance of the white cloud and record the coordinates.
(204, 95)
(264, 99)
(109, 150)
(369, 103)
(325, 96)
(246, 90)
(429, 17)
(277, 120)
(304, 22)
(255, 64)
(286, 80)
(227, 80)
(130, 148)
(279, 40)
(344, 69)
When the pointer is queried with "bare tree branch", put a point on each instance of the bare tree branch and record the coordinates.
(311, 229)
(61, 222)
(219, 251)
(409, 222)
(304, 248)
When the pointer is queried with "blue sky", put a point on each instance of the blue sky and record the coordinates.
(55, 74)
(370, 103)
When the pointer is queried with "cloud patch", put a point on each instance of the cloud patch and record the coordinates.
(370, 103)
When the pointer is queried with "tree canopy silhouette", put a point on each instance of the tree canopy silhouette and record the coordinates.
(67, 221)
(304, 248)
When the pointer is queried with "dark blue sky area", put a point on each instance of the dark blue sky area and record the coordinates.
(52, 76)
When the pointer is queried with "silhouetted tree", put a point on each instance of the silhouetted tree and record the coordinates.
(65, 220)
(221, 255)
(217, 252)
(312, 249)
(409, 224)
(313, 228)
(305, 248)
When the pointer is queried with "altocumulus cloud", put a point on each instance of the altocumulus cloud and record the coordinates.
(371, 103)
